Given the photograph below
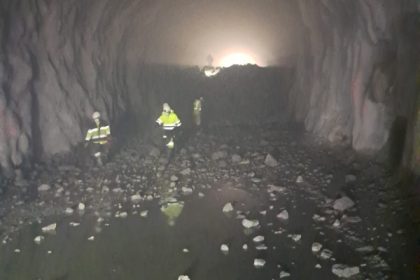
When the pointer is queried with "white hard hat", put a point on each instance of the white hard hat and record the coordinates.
(166, 107)
(96, 115)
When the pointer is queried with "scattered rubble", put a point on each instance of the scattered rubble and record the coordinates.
(224, 248)
(44, 188)
(283, 215)
(136, 198)
(50, 228)
(227, 208)
(250, 223)
(259, 263)
(134, 184)
(342, 204)
(39, 239)
(271, 161)
(316, 247)
(344, 271)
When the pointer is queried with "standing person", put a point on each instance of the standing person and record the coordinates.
(100, 138)
(168, 120)
(197, 108)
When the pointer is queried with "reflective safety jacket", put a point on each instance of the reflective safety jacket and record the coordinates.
(99, 134)
(197, 105)
(169, 120)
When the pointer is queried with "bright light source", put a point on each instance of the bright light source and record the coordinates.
(210, 72)
(236, 59)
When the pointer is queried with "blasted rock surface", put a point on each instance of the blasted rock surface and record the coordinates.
(354, 74)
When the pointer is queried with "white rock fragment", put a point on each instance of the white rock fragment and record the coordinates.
(250, 223)
(337, 223)
(258, 263)
(318, 266)
(186, 190)
(39, 239)
(316, 247)
(17, 250)
(343, 204)
(283, 215)
(258, 239)
(227, 208)
(117, 190)
(74, 224)
(382, 249)
(344, 271)
(245, 247)
(43, 188)
(144, 213)
(121, 215)
(270, 161)
(299, 179)
(81, 207)
(200, 195)
(366, 249)
(185, 250)
(352, 220)
(185, 172)
(326, 254)
(183, 277)
(318, 218)
(261, 247)
(273, 188)
(224, 248)
(69, 211)
(91, 238)
(135, 198)
(256, 180)
(295, 237)
(49, 229)
(284, 274)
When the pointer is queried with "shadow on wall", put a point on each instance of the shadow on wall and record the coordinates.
(397, 140)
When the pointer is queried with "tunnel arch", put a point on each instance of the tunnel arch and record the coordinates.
(62, 60)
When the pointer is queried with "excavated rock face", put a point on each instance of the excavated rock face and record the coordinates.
(355, 74)
(55, 71)
(62, 60)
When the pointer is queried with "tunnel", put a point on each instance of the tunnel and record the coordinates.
(244, 139)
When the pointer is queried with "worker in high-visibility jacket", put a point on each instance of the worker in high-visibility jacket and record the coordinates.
(99, 137)
(169, 121)
(197, 107)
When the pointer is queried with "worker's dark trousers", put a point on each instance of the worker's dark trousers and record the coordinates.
(167, 136)
(100, 148)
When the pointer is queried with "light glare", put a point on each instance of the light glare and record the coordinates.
(236, 59)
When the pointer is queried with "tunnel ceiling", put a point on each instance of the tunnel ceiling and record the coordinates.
(61, 60)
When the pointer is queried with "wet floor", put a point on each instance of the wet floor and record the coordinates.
(149, 248)
(117, 237)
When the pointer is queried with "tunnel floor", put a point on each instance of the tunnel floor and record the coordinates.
(124, 232)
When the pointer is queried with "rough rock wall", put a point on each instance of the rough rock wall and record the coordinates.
(60, 61)
(355, 72)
